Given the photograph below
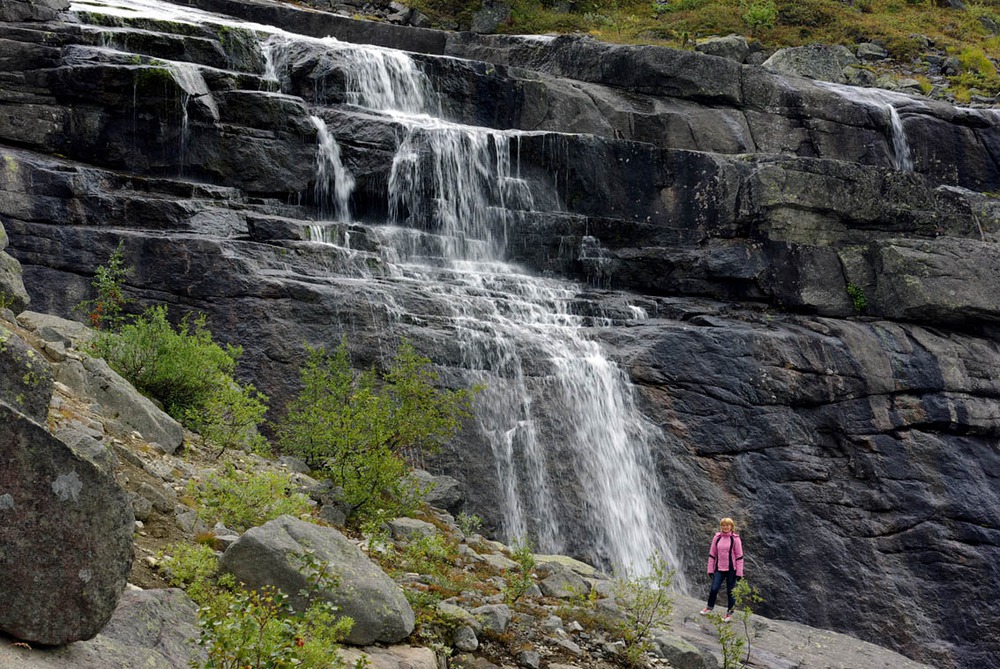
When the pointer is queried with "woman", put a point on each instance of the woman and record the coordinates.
(725, 561)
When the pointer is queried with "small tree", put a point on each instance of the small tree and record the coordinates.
(731, 639)
(104, 312)
(519, 582)
(356, 428)
(645, 603)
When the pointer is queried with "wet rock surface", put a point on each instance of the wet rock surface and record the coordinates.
(818, 330)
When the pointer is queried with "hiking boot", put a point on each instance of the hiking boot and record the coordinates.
(727, 618)
(705, 611)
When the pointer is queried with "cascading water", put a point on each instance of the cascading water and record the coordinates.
(900, 148)
(557, 413)
(334, 183)
(883, 101)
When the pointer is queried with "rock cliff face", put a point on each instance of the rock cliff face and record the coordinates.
(809, 321)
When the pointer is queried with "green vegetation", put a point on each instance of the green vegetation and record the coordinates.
(519, 582)
(645, 603)
(897, 24)
(182, 367)
(241, 500)
(735, 636)
(857, 295)
(242, 628)
(104, 312)
(357, 429)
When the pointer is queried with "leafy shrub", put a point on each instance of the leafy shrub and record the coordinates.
(241, 500)
(645, 602)
(758, 14)
(257, 629)
(468, 524)
(191, 567)
(188, 373)
(734, 636)
(520, 582)
(357, 428)
(857, 295)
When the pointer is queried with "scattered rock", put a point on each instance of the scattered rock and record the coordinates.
(411, 528)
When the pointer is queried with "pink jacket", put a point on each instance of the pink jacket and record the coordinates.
(726, 553)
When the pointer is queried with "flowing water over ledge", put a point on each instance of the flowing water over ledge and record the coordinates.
(555, 405)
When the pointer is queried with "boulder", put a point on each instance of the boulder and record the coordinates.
(562, 582)
(66, 537)
(13, 296)
(493, 617)
(265, 556)
(814, 61)
(53, 329)
(120, 402)
(444, 492)
(25, 377)
(732, 47)
(411, 528)
(153, 629)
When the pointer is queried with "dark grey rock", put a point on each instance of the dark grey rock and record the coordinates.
(66, 537)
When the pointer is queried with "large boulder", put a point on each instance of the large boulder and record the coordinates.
(25, 377)
(266, 555)
(65, 537)
(120, 402)
(814, 61)
(13, 296)
(153, 629)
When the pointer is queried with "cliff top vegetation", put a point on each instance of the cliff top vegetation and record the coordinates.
(908, 29)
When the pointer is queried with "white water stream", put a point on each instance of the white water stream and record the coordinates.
(885, 102)
(556, 411)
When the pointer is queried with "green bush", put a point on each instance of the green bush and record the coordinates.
(518, 584)
(645, 602)
(758, 14)
(241, 500)
(251, 629)
(188, 373)
(357, 429)
(735, 636)
(191, 567)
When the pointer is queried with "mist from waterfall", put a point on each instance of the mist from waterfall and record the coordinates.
(555, 406)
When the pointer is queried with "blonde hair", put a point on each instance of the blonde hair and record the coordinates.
(727, 521)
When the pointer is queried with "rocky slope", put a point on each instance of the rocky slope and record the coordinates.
(808, 317)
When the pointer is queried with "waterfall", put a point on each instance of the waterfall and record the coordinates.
(885, 103)
(900, 149)
(334, 183)
(561, 418)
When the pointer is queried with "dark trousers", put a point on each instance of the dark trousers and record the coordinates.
(717, 578)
